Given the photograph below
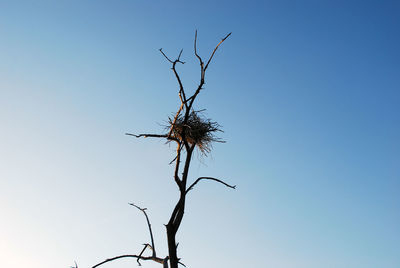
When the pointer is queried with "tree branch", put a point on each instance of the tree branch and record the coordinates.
(162, 52)
(179, 210)
(140, 255)
(197, 55)
(175, 118)
(209, 178)
(151, 232)
(203, 69)
(182, 94)
(177, 164)
(148, 135)
(168, 137)
(156, 259)
(179, 57)
(215, 49)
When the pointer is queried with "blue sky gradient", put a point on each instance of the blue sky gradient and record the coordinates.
(307, 93)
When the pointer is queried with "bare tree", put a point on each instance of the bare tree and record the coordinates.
(189, 130)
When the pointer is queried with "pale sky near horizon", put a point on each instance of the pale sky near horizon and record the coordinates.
(307, 93)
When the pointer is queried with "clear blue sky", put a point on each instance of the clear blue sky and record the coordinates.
(306, 91)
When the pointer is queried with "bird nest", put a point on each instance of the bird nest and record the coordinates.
(196, 130)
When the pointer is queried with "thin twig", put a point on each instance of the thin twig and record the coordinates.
(140, 255)
(195, 52)
(165, 56)
(153, 136)
(215, 49)
(209, 178)
(147, 135)
(149, 225)
(179, 56)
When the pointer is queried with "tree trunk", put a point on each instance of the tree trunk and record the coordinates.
(173, 257)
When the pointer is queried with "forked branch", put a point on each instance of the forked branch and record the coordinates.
(139, 257)
(202, 69)
(182, 95)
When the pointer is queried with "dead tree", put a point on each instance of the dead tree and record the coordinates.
(188, 129)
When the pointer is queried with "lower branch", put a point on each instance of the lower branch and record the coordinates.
(156, 259)
(209, 178)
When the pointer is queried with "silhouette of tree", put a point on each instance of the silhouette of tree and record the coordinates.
(189, 130)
